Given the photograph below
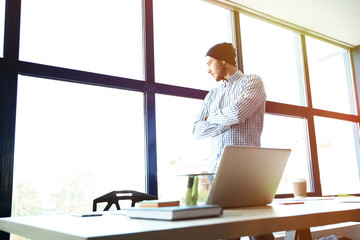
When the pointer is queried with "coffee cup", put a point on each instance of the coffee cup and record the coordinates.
(299, 187)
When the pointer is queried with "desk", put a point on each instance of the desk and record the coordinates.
(233, 223)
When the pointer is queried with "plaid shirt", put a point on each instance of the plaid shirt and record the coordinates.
(234, 114)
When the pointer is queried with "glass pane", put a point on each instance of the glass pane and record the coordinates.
(274, 54)
(331, 86)
(178, 151)
(84, 34)
(338, 153)
(2, 29)
(288, 132)
(181, 43)
(75, 143)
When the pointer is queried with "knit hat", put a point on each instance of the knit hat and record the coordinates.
(223, 52)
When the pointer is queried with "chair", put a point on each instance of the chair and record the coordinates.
(115, 196)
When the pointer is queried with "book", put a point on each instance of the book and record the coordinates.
(175, 212)
(158, 203)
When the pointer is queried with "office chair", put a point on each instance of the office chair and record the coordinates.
(115, 196)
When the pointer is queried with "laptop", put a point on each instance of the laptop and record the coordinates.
(247, 176)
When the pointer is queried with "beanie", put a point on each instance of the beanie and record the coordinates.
(223, 52)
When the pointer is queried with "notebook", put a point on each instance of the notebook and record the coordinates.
(174, 212)
(247, 176)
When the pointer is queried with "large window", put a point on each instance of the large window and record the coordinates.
(75, 143)
(178, 152)
(288, 132)
(337, 140)
(89, 35)
(180, 45)
(338, 150)
(331, 85)
(184, 31)
(274, 54)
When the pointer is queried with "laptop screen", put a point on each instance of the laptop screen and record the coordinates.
(247, 176)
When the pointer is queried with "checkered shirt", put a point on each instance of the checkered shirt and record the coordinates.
(235, 115)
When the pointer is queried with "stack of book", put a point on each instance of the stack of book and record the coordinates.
(171, 210)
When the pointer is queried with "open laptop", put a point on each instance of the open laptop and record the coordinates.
(247, 176)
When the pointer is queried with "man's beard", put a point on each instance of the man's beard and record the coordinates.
(221, 75)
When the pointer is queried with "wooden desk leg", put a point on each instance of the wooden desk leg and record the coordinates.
(303, 234)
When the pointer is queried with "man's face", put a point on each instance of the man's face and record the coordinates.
(216, 68)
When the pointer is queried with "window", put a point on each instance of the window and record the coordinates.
(338, 151)
(273, 53)
(331, 85)
(74, 143)
(288, 132)
(181, 43)
(85, 35)
(178, 152)
(180, 46)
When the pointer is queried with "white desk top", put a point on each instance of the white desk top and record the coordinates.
(233, 223)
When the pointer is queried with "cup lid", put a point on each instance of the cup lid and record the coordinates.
(298, 180)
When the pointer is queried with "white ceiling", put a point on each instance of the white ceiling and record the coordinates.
(337, 19)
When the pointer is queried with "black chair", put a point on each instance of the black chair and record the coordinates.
(115, 196)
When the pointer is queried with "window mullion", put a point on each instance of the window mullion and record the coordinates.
(313, 161)
(150, 122)
(235, 20)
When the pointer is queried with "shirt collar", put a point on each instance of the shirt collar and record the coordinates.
(233, 78)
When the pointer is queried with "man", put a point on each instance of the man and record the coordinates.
(233, 113)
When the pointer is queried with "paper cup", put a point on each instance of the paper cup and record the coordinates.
(299, 187)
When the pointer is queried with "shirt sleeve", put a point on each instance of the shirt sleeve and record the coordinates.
(204, 129)
(249, 99)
